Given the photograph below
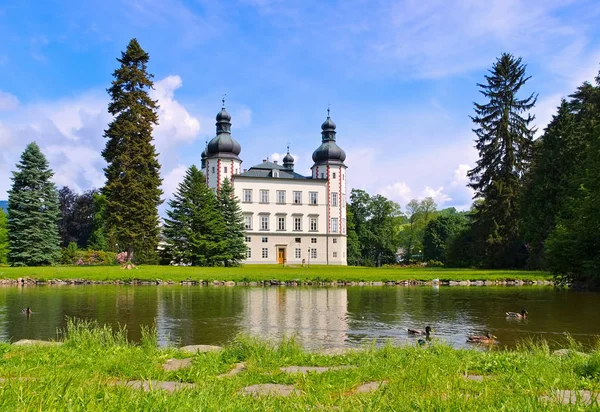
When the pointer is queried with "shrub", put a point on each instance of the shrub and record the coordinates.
(73, 256)
(435, 264)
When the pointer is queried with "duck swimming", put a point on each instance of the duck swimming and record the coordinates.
(517, 315)
(26, 311)
(487, 338)
(425, 332)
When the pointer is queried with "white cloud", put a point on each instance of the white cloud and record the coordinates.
(175, 123)
(438, 195)
(8, 101)
(278, 157)
(398, 192)
(172, 179)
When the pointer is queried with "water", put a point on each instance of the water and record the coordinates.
(318, 317)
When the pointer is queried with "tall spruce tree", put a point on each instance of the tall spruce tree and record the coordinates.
(33, 212)
(133, 173)
(194, 229)
(504, 136)
(234, 251)
(3, 237)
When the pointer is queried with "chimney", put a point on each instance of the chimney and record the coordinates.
(245, 170)
(275, 161)
(264, 160)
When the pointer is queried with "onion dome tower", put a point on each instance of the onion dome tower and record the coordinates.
(329, 152)
(222, 152)
(288, 160)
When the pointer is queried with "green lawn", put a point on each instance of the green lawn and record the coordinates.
(265, 272)
(80, 375)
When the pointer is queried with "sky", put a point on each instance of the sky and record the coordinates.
(400, 78)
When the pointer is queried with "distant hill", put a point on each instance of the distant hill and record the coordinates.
(4, 205)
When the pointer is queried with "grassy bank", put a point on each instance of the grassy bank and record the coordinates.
(81, 375)
(265, 272)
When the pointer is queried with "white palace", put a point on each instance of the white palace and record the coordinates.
(289, 218)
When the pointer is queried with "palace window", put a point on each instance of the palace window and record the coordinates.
(334, 225)
(281, 223)
(248, 239)
(298, 240)
(298, 253)
(248, 253)
(281, 197)
(344, 226)
(264, 239)
(313, 224)
(247, 195)
(313, 240)
(297, 223)
(225, 169)
(334, 199)
(313, 198)
(264, 196)
(334, 254)
(313, 253)
(297, 198)
(334, 175)
(265, 253)
(335, 240)
(322, 175)
(264, 223)
(248, 222)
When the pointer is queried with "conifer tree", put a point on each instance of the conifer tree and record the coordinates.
(194, 227)
(133, 173)
(33, 212)
(504, 135)
(234, 251)
(3, 237)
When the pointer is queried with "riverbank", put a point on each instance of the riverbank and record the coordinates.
(254, 275)
(97, 369)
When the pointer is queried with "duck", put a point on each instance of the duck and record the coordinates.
(517, 315)
(487, 338)
(26, 311)
(425, 332)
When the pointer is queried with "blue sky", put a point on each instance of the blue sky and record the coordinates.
(400, 77)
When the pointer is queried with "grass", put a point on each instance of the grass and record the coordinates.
(265, 272)
(78, 375)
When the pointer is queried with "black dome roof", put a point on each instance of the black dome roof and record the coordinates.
(329, 151)
(288, 158)
(223, 115)
(223, 145)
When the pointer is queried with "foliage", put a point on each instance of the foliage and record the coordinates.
(194, 229)
(504, 136)
(99, 238)
(76, 216)
(439, 232)
(71, 255)
(3, 238)
(133, 173)
(234, 246)
(33, 212)
(412, 232)
(375, 220)
(352, 242)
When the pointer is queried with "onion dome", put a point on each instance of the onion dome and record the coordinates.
(288, 160)
(329, 152)
(223, 145)
(203, 157)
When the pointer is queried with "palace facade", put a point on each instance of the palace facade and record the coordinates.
(289, 218)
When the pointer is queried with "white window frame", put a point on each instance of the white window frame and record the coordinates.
(335, 240)
(264, 196)
(313, 253)
(313, 240)
(298, 254)
(248, 253)
(280, 223)
(248, 222)
(225, 169)
(297, 197)
(314, 225)
(297, 224)
(314, 198)
(334, 225)
(334, 198)
(264, 223)
(248, 239)
(281, 197)
(335, 254)
(247, 196)
(265, 253)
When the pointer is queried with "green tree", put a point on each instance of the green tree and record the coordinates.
(234, 251)
(133, 173)
(194, 229)
(504, 136)
(76, 217)
(353, 244)
(3, 238)
(99, 239)
(33, 212)
(412, 232)
(438, 234)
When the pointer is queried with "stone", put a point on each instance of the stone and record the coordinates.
(270, 389)
(370, 387)
(239, 367)
(31, 342)
(147, 386)
(376, 283)
(477, 378)
(193, 349)
(568, 397)
(316, 369)
(230, 283)
(176, 364)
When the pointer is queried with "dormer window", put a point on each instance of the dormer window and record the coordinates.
(275, 173)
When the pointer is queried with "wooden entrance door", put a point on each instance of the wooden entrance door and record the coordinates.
(281, 255)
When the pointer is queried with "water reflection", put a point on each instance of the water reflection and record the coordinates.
(318, 317)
